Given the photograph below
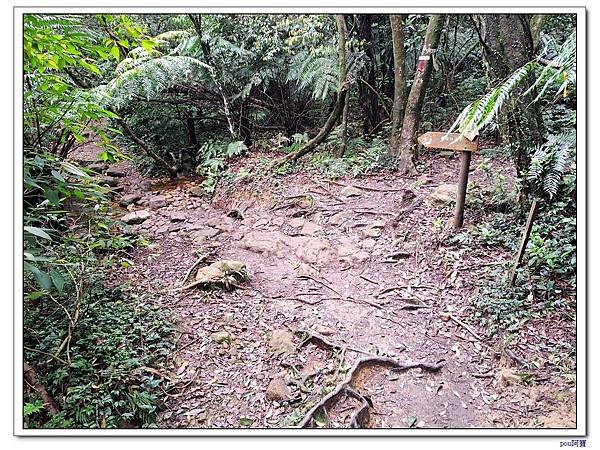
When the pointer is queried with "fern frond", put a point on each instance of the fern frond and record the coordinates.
(152, 77)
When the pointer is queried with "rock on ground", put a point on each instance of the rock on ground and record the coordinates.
(136, 217)
(444, 193)
(282, 341)
(278, 390)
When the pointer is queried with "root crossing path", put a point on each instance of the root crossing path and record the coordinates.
(340, 272)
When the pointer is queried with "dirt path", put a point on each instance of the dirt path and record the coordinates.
(364, 263)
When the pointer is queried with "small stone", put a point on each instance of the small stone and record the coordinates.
(282, 342)
(97, 167)
(309, 229)
(224, 224)
(110, 181)
(374, 229)
(158, 201)
(306, 270)
(324, 330)
(368, 244)
(177, 216)
(421, 424)
(296, 222)
(278, 390)
(116, 173)
(220, 337)
(350, 191)
(278, 221)
(129, 199)
(444, 193)
(338, 219)
(136, 217)
(197, 191)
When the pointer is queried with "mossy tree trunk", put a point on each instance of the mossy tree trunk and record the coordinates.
(414, 104)
(508, 44)
(397, 25)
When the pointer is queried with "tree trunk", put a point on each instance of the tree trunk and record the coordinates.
(507, 45)
(397, 25)
(339, 102)
(412, 113)
(368, 101)
(343, 69)
(173, 170)
(197, 22)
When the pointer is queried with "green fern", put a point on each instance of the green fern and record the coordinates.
(550, 161)
(481, 112)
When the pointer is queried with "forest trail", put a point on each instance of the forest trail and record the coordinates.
(359, 262)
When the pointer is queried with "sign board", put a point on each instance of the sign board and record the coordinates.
(447, 141)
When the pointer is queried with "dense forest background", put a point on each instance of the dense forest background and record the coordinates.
(190, 96)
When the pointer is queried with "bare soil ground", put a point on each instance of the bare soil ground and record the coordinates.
(368, 269)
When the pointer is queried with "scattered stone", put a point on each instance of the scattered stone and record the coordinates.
(350, 191)
(117, 189)
(444, 193)
(374, 229)
(506, 377)
(109, 181)
(129, 199)
(278, 390)
(338, 219)
(324, 330)
(368, 244)
(221, 337)
(197, 191)
(220, 272)
(296, 222)
(305, 270)
(313, 250)
(309, 229)
(261, 223)
(278, 221)
(136, 217)
(224, 224)
(270, 242)
(98, 167)
(116, 173)
(351, 253)
(205, 232)
(282, 341)
(163, 229)
(158, 201)
(177, 216)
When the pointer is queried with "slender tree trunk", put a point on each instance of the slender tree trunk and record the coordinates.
(173, 170)
(343, 69)
(537, 22)
(397, 25)
(338, 106)
(368, 101)
(508, 44)
(412, 113)
(197, 22)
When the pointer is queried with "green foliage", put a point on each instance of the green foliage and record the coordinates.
(361, 157)
(104, 384)
(550, 161)
(213, 157)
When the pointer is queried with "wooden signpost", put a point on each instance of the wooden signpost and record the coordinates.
(454, 141)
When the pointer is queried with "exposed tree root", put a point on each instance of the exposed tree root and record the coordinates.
(361, 416)
(29, 375)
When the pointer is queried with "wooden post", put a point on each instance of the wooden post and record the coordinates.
(526, 232)
(455, 142)
(461, 192)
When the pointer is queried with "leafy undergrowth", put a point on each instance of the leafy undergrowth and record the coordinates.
(100, 379)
